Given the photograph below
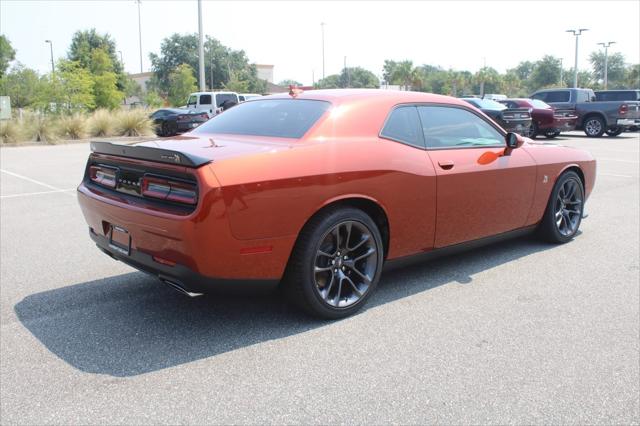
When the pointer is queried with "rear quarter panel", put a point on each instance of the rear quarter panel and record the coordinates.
(553, 160)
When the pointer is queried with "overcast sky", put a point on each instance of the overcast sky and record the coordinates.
(455, 34)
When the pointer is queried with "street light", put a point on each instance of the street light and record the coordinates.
(606, 60)
(322, 24)
(140, 33)
(121, 60)
(576, 33)
(200, 49)
(51, 46)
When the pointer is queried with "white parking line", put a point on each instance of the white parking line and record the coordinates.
(37, 182)
(611, 174)
(26, 194)
(615, 159)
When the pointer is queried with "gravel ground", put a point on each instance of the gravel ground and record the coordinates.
(517, 332)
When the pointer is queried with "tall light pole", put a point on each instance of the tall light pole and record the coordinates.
(140, 33)
(121, 60)
(576, 33)
(322, 24)
(200, 49)
(606, 60)
(53, 69)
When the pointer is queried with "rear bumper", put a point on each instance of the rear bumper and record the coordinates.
(517, 126)
(628, 122)
(180, 277)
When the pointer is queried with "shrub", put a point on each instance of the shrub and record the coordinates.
(102, 123)
(134, 122)
(39, 128)
(73, 127)
(10, 132)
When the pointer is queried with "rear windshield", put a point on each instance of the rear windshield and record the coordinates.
(281, 118)
(221, 97)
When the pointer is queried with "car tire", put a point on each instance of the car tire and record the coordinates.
(594, 126)
(336, 263)
(533, 130)
(563, 214)
(614, 131)
(173, 128)
(164, 129)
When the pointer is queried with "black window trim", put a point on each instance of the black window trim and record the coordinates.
(446, 105)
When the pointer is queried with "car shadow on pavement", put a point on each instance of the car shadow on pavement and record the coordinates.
(132, 324)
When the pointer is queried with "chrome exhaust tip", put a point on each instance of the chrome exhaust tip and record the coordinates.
(174, 285)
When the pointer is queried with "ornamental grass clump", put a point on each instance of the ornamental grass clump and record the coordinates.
(39, 128)
(10, 131)
(102, 123)
(134, 122)
(73, 127)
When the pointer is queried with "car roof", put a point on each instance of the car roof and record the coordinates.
(344, 96)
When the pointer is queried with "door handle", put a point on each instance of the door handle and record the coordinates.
(445, 165)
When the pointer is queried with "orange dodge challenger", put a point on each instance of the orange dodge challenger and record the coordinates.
(318, 190)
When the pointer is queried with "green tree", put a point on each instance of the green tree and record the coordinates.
(181, 84)
(7, 54)
(22, 85)
(523, 70)
(358, 77)
(545, 73)
(616, 70)
(83, 43)
(287, 82)
(220, 62)
(68, 90)
(487, 80)
(632, 77)
(105, 79)
(329, 82)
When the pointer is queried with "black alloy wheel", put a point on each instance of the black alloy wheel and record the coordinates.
(564, 211)
(336, 263)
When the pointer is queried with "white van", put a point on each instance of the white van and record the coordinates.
(210, 102)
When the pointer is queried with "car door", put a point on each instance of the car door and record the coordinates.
(205, 104)
(480, 191)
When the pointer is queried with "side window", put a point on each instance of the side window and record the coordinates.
(447, 127)
(540, 96)
(193, 99)
(158, 114)
(403, 125)
(559, 96)
(205, 99)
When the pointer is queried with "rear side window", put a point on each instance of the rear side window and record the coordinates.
(281, 118)
(450, 127)
(205, 99)
(584, 96)
(403, 125)
(559, 96)
(627, 95)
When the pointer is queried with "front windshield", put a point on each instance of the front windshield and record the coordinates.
(283, 118)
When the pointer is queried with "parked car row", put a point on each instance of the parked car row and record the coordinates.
(596, 117)
(200, 107)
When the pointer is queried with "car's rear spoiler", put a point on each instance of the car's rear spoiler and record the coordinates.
(157, 155)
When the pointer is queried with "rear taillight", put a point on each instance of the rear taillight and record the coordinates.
(103, 175)
(205, 116)
(623, 109)
(169, 189)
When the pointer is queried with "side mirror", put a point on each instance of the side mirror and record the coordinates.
(513, 141)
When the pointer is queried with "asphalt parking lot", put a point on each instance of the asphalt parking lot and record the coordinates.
(518, 332)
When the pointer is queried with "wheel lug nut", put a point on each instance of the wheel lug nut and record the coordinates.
(343, 268)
